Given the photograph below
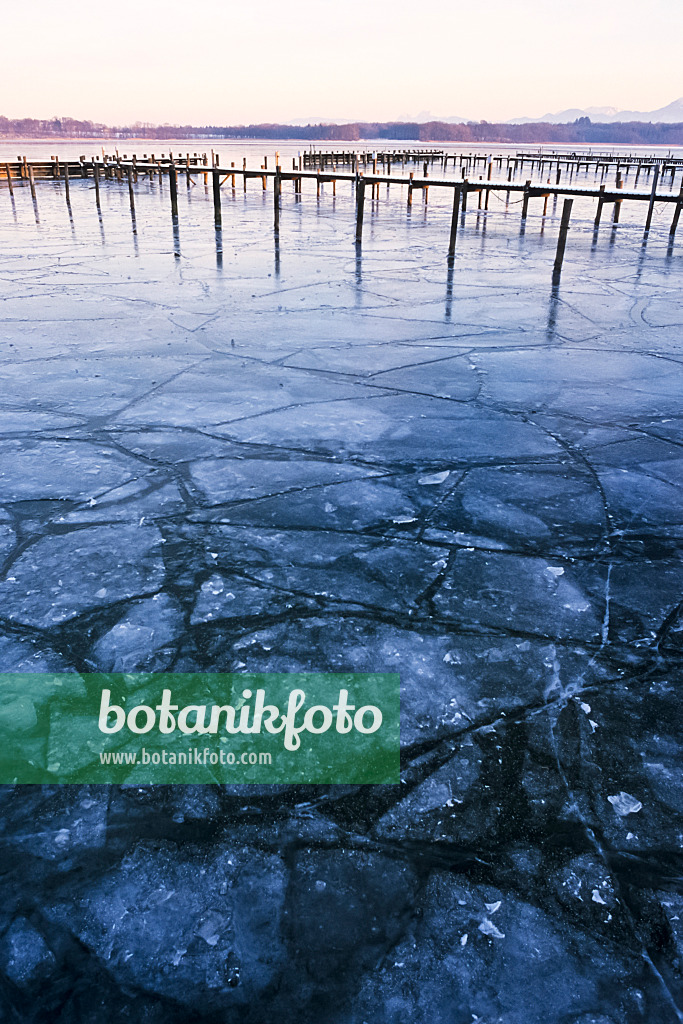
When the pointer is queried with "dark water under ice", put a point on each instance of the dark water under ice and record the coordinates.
(222, 454)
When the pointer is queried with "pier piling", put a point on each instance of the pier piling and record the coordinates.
(562, 238)
(131, 194)
(173, 183)
(653, 196)
(457, 193)
(360, 202)
(277, 186)
(218, 220)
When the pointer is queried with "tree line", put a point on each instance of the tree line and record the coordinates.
(581, 131)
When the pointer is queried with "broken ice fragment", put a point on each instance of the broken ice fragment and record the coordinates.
(493, 907)
(488, 928)
(624, 803)
(597, 898)
(434, 478)
(214, 585)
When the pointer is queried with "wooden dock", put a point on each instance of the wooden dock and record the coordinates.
(128, 171)
(558, 163)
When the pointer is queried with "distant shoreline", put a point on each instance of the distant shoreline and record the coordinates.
(579, 132)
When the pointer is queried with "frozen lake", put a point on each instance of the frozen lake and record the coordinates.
(223, 453)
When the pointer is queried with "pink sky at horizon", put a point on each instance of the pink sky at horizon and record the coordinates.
(310, 59)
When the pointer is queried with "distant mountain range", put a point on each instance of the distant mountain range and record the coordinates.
(671, 114)
(424, 117)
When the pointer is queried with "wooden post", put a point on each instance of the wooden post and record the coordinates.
(173, 182)
(66, 183)
(360, 201)
(32, 182)
(244, 172)
(96, 176)
(653, 196)
(525, 204)
(454, 222)
(465, 190)
(188, 176)
(130, 190)
(216, 197)
(618, 202)
(562, 239)
(601, 203)
(410, 189)
(677, 213)
(277, 186)
(9, 179)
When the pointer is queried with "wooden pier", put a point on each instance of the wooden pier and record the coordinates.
(127, 171)
(542, 162)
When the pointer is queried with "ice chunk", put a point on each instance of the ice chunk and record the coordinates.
(488, 928)
(624, 803)
(61, 576)
(434, 478)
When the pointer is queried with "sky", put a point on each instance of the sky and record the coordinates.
(219, 62)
